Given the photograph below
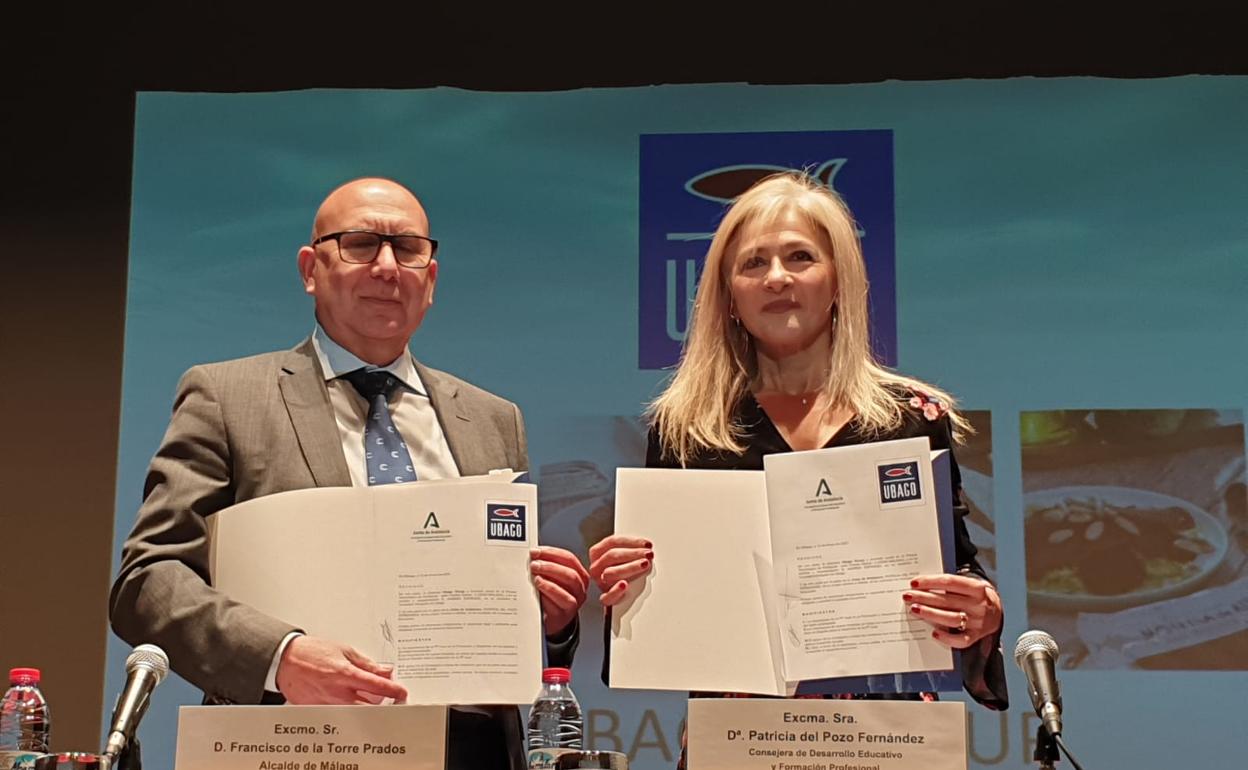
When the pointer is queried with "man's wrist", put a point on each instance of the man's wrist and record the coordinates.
(270, 681)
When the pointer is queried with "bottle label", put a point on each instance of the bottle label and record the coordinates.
(544, 759)
(19, 760)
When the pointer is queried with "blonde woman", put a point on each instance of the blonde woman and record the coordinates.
(778, 359)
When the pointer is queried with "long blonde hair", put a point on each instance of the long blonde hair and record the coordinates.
(696, 410)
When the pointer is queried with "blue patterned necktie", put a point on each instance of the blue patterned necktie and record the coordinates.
(385, 452)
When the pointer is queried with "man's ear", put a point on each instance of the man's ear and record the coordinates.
(307, 262)
(433, 278)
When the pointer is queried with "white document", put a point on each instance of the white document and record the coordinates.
(431, 577)
(704, 618)
(850, 527)
(734, 572)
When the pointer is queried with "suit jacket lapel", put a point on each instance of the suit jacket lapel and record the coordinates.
(455, 422)
(307, 402)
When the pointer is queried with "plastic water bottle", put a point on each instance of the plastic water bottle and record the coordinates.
(25, 722)
(555, 723)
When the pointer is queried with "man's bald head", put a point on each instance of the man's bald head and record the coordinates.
(366, 192)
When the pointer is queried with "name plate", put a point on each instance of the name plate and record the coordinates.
(808, 734)
(311, 738)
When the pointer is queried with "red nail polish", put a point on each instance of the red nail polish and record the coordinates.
(914, 584)
(644, 564)
(914, 608)
(907, 597)
(649, 554)
(649, 544)
(935, 635)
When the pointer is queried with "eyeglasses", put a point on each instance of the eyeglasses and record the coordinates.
(359, 247)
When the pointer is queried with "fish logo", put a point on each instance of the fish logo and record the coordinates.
(506, 522)
(725, 184)
(899, 482)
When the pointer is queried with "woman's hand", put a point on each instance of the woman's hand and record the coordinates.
(963, 609)
(616, 560)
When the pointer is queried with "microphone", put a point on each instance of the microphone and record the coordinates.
(145, 668)
(1036, 654)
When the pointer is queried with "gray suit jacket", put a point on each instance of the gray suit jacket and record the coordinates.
(243, 429)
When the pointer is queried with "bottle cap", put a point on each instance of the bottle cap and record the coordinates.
(23, 676)
(556, 675)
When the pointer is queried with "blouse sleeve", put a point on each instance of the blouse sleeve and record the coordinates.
(983, 666)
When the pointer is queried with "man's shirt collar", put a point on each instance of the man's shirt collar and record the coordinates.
(336, 361)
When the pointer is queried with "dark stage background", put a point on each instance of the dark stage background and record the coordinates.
(69, 108)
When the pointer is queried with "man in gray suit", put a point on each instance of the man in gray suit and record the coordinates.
(297, 419)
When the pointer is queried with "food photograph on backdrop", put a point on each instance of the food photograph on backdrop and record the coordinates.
(1136, 536)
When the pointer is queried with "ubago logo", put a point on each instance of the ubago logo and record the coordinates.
(505, 522)
(686, 183)
(899, 482)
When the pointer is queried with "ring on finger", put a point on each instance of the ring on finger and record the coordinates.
(962, 621)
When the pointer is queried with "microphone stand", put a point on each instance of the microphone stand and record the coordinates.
(1061, 744)
(130, 758)
(1046, 752)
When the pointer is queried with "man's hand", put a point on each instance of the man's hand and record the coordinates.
(318, 671)
(562, 583)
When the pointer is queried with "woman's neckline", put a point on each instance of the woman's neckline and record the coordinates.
(795, 401)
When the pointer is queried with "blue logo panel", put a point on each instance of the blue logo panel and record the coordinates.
(505, 522)
(686, 184)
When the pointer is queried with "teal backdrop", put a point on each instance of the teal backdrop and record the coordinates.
(1059, 244)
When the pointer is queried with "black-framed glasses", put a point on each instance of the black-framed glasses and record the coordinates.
(359, 247)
